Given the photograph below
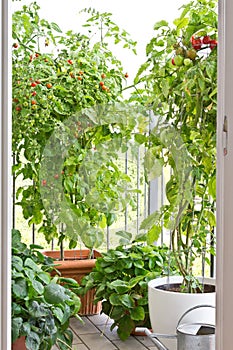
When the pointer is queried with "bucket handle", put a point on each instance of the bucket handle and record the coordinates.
(191, 309)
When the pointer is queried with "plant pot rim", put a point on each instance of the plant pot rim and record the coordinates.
(72, 254)
(158, 282)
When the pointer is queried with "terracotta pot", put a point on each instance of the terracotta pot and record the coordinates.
(19, 344)
(76, 265)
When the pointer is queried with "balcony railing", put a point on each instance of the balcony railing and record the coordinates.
(149, 198)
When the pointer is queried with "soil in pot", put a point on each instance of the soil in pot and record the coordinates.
(176, 287)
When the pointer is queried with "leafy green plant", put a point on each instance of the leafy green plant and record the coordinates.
(179, 81)
(57, 76)
(41, 306)
(121, 277)
(95, 183)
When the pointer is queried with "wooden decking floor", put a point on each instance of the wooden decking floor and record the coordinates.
(95, 334)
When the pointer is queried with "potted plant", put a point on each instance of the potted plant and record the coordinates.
(41, 306)
(67, 76)
(100, 188)
(180, 81)
(61, 82)
(121, 278)
(76, 264)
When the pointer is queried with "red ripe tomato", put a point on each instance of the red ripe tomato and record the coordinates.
(49, 85)
(206, 39)
(33, 84)
(213, 44)
(196, 44)
(101, 83)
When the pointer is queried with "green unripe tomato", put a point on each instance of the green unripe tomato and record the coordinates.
(178, 60)
(179, 51)
(188, 62)
(192, 53)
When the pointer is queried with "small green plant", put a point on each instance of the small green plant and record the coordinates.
(121, 277)
(41, 305)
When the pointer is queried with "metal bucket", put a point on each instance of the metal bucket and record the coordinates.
(192, 336)
(195, 336)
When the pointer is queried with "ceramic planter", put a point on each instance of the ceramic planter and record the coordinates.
(166, 307)
(19, 344)
(76, 265)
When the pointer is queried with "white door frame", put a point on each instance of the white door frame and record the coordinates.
(5, 183)
(224, 266)
(224, 269)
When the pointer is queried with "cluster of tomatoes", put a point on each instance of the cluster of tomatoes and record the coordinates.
(80, 75)
(206, 41)
(187, 56)
(33, 84)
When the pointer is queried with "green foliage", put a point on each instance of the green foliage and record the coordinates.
(96, 186)
(179, 81)
(41, 306)
(57, 77)
(121, 276)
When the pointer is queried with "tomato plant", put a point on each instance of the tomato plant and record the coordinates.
(56, 76)
(179, 81)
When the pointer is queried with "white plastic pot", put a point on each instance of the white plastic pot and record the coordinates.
(166, 307)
